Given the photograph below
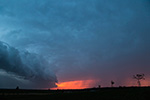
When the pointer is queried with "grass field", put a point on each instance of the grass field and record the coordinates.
(122, 93)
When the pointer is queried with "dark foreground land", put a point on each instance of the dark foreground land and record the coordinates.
(122, 93)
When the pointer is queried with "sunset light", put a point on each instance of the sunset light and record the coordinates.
(79, 84)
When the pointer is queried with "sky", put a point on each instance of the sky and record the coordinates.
(48, 43)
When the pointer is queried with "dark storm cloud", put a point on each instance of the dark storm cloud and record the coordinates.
(25, 65)
(101, 39)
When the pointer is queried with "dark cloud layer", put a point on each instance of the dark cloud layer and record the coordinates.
(81, 39)
(26, 66)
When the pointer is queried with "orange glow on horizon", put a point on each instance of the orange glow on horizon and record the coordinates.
(79, 84)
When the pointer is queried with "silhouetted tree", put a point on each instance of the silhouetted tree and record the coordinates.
(139, 77)
(99, 86)
(112, 83)
(17, 88)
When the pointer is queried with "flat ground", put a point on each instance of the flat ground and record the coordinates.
(122, 93)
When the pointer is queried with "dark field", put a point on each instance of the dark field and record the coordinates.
(122, 93)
